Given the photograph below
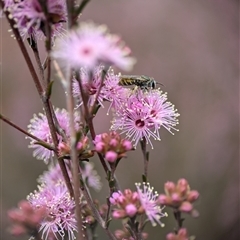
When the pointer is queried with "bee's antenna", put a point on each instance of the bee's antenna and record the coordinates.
(160, 84)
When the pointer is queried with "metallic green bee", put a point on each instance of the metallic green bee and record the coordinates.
(141, 81)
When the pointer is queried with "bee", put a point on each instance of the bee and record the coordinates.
(141, 81)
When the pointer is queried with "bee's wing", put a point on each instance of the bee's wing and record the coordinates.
(131, 77)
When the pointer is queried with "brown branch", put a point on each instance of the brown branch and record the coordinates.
(6, 120)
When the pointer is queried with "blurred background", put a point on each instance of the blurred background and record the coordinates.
(192, 48)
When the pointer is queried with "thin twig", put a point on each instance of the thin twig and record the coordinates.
(179, 220)
(143, 143)
(89, 121)
(82, 6)
(74, 157)
(6, 120)
(104, 73)
(95, 211)
(34, 46)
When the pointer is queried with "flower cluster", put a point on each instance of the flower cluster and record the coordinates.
(112, 146)
(31, 16)
(26, 219)
(82, 148)
(39, 127)
(179, 196)
(143, 114)
(130, 204)
(89, 45)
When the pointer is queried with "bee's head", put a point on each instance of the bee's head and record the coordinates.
(152, 83)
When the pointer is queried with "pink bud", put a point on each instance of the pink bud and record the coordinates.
(98, 138)
(18, 230)
(111, 156)
(135, 196)
(162, 199)
(79, 146)
(176, 198)
(186, 207)
(127, 145)
(99, 146)
(114, 198)
(171, 236)
(182, 186)
(193, 196)
(131, 210)
(182, 232)
(119, 214)
(113, 142)
(169, 187)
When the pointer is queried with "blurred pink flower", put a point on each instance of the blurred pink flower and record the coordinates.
(30, 18)
(89, 45)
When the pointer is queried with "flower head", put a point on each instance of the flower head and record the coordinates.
(60, 209)
(149, 203)
(90, 86)
(39, 127)
(31, 19)
(89, 175)
(110, 90)
(89, 45)
(143, 114)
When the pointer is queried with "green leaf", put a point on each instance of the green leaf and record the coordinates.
(49, 89)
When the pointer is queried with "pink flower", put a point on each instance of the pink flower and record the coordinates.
(89, 174)
(90, 86)
(30, 17)
(39, 127)
(89, 45)
(149, 203)
(60, 209)
(111, 91)
(143, 114)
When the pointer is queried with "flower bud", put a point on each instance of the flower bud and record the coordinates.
(131, 210)
(176, 198)
(186, 207)
(111, 156)
(193, 196)
(169, 187)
